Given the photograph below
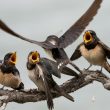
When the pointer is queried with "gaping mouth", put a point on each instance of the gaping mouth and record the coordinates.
(35, 57)
(13, 58)
(87, 37)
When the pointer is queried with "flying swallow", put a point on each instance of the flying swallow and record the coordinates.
(54, 45)
(40, 71)
(9, 74)
(93, 50)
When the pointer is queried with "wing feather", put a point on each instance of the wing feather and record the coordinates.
(76, 53)
(76, 29)
(5, 28)
(106, 49)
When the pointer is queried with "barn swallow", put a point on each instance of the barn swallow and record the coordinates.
(54, 45)
(9, 74)
(40, 71)
(93, 50)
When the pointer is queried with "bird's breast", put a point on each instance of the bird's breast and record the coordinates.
(35, 76)
(9, 80)
(94, 56)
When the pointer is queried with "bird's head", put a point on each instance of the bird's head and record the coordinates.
(33, 57)
(90, 37)
(10, 58)
(52, 39)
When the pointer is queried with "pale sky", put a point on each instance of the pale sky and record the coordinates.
(36, 19)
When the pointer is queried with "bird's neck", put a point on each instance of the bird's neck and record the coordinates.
(30, 66)
(7, 68)
(91, 46)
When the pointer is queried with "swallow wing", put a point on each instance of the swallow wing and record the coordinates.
(76, 53)
(106, 49)
(66, 70)
(51, 67)
(5, 28)
(76, 29)
(54, 69)
(53, 85)
(46, 77)
(16, 72)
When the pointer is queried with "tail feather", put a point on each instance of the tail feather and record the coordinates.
(50, 102)
(63, 93)
(107, 66)
(69, 71)
(66, 95)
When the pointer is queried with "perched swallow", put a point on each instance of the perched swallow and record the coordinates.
(93, 50)
(54, 45)
(40, 71)
(9, 74)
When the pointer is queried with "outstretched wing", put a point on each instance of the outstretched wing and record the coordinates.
(5, 28)
(106, 49)
(76, 29)
(70, 35)
(53, 67)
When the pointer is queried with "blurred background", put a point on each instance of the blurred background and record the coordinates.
(36, 19)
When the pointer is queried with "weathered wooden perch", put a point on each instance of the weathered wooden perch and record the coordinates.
(69, 86)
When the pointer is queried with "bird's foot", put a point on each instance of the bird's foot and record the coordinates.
(88, 67)
(99, 71)
(33, 91)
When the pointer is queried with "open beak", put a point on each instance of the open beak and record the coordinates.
(35, 57)
(87, 38)
(13, 58)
